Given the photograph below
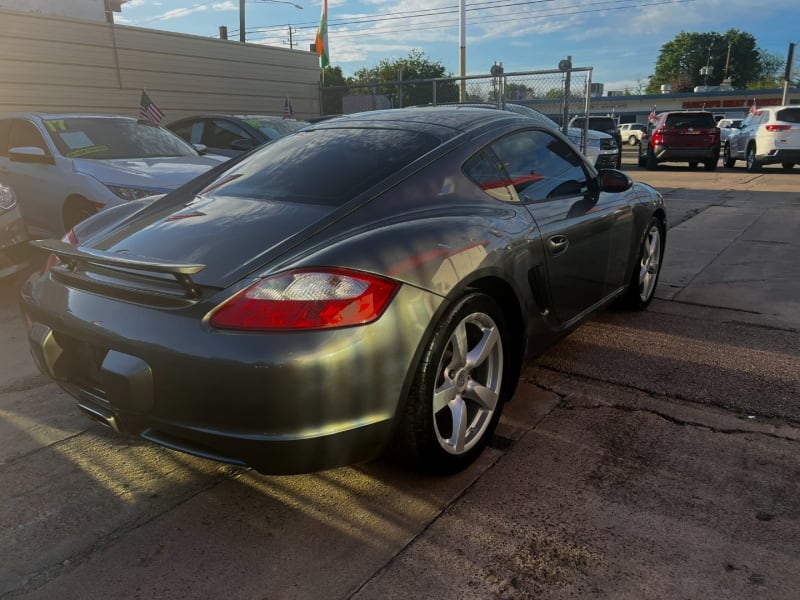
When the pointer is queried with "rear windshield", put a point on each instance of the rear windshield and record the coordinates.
(690, 120)
(326, 166)
(789, 115)
(598, 124)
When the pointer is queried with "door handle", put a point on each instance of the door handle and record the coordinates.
(557, 244)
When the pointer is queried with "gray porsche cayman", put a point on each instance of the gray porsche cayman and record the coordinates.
(370, 284)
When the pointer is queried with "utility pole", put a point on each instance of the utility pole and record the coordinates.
(787, 75)
(241, 20)
(727, 60)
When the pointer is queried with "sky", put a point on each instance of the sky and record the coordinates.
(620, 39)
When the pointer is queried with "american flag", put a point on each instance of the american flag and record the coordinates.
(288, 113)
(753, 107)
(149, 110)
(652, 116)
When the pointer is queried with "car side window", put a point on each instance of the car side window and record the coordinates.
(24, 133)
(487, 172)
(191, 131)
(541, 166)
(224, 133)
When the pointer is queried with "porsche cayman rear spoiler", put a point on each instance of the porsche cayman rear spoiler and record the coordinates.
(72, 256)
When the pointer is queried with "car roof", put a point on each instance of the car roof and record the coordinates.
(429, 118)
(67, 115)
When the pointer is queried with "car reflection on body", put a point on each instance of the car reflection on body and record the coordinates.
(372, 283)
(14, 251)
(65, 167)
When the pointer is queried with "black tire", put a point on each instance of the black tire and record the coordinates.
(632, 140)
(753, 166)
(788, 165)
(693, 165)
(641, 160)
(644, 278)
(650, 162)
(75, 211)
(727, 160)
(428, 436)
(710, 165)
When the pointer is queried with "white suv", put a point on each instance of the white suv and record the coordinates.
(632, 132)
(767, 136)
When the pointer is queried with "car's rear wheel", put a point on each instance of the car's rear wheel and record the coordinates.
(753, 166)
(693, 165)
(646, 271)
(710, 165)
(458, 389)
(727, 160)
(650, 162)
(632, 140)
(641, 160)
(788, 165)
(76, 209)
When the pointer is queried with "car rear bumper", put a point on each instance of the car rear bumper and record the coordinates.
(781, 155)
(665, 153)
(282, 404)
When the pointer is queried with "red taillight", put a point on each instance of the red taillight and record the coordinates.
(322, 298)
(657, 136)
(68, 238)
(777, 127)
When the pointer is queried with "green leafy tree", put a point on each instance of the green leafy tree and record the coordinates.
(414, 66)
(774, 71)
(693, 59)
(333, 91)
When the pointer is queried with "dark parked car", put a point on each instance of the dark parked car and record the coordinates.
(294, 323)
(681, 136)
(230, 135)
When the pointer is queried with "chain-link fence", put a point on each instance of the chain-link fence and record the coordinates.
(556, 93)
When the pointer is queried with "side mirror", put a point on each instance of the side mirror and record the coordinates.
(613, 181)
(201, 148)
(31, 154)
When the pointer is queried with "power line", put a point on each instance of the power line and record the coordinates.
(563, 11)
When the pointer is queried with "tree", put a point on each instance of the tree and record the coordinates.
(694, 59)
(774, 67)
(414, 66)
(332, 77)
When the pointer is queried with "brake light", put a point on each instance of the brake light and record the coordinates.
(323, 298)
(777, 127)
(657, 136)
(69, 238)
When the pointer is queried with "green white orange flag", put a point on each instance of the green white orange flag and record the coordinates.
(321, 42)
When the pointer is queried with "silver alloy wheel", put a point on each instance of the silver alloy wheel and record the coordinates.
(650, 264)
(467, 389)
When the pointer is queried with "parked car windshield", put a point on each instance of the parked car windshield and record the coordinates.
(789, 115)
(275, 128)
(299, 168)
(111, 137)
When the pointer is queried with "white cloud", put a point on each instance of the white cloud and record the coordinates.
(177, 13)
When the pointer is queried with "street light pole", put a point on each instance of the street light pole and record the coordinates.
(242, 17)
